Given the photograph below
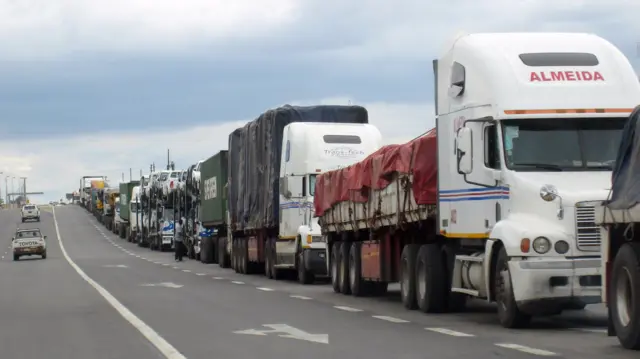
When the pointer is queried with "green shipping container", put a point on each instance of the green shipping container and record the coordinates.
(125, 198)
(213, 197)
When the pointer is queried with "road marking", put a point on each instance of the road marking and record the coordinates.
(217, 278)
(347, 309)
(528, 350)
(186, 271)
(166, 264)
(264, 289)
(163, 284)
(449, 332)
(300, 297)
(591, 330)
(237, 282)
(159, 342)
(390, 319)
(287, 331)
(115, 266)
(201, 274)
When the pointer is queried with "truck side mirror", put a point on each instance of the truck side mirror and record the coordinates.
(464, 143)
(284, 187)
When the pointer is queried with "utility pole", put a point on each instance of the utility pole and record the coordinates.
(24, 189)
(130, 174)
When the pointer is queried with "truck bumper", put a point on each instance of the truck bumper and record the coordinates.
(548, 286)
(314, 260)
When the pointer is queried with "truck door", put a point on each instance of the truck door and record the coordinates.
(479, 163)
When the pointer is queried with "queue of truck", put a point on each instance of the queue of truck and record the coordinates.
(506, 200)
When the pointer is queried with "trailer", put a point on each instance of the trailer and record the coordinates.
(212, 214)
(495, 202)
(273, 162)
(619, 218)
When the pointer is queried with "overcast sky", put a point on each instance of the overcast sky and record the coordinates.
(98, 87)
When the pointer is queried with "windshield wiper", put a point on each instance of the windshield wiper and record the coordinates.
(546, 166)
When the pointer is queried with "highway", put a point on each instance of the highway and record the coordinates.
(101, 297)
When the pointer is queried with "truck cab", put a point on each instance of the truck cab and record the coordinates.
(135, 208)
(528, 127)
(309, 149)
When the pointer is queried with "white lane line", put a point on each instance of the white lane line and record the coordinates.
(143, 258)
(264, 289)
(237, 282)
(591, 330)
(186, 271)
(347, 309)
(201, 274)
(528, 350)
(449, 332)
(176, 267)
(166, 264)
(390, 319)
(217, 278)
(300, 297)
(160, 343)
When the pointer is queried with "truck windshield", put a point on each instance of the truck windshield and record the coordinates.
(163, 177)
(312, 184)
(543, 145)
(134, 207)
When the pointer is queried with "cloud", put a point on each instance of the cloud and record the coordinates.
(56, 166)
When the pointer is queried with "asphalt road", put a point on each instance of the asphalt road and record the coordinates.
(111, 299)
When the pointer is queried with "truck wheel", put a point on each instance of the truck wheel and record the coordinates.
(625, 295)
(357, 285)
(304, 276)
(343, 274)
(335, 266)
(16, 257)
(268, 265)
(244, 256)
(408, 276)
(234, 255)
(509, 314)
(430, 279)
(223, 259)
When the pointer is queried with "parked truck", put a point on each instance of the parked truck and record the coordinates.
(85, 190)
(212, 209)
(159, 204)
(109, 196)
(619, 218)
(128, 208)
(273, 162)
(495, 202)
(97, 187)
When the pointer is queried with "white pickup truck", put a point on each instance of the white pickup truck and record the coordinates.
(28, 242)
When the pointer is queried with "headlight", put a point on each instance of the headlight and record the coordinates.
(561, 247)
(548, 192)
(541, 245)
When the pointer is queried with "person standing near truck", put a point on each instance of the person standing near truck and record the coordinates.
(178, 239)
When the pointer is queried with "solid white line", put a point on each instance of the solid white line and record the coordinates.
(264, 289)
(347, 309)
(300, 297)
(160, 343)
(529, 350)
(449, 332)
(237, 282)
(390, 319)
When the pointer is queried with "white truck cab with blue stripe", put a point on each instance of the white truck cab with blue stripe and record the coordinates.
(528, 127)
(310, 149)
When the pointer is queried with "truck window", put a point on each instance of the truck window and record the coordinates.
(572, 59)
(304, 186)
(287, 153)
(562, 144)
(342, 139)
(491, 147)
(312, 184)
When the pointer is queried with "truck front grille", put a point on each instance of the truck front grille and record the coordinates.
(587, 233)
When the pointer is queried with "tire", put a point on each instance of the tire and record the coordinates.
(430, 278)
(16, 257)
(244, 256)
(304, 276)
(334, 267)
(357, 285)
(343, 274)
(44, 255)
(624, 296)
(509, 314)
(268, 260)
(223, 258)
(408, 276)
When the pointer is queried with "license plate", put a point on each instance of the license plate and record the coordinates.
(321, 255)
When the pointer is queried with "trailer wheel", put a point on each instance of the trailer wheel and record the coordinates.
(305, 276)
(625, 295)
(244, 257)
(509, 314)
(408, 276)
(430, 279)
(335, 266)
(343, 273)
(357, 285)
(268, 265)
(223, 259)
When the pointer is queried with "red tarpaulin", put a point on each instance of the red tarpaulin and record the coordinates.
(353, 183)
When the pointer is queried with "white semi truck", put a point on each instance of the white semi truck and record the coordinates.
(495, 202)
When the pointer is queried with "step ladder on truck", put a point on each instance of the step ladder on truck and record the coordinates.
(493, 202)
(619, 220)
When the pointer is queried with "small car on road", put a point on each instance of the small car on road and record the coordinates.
(30, 211)
(28, 242)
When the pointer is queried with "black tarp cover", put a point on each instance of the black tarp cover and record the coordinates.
(254, 160)
(625, 190)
